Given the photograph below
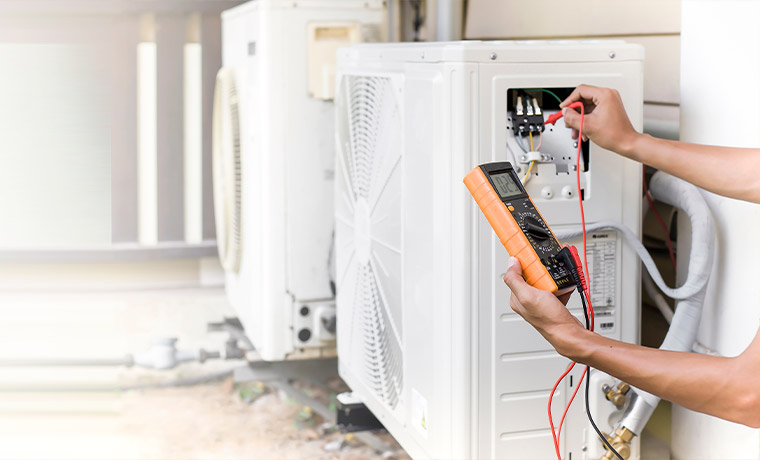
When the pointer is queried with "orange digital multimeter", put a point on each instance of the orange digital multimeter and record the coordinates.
(519, 226)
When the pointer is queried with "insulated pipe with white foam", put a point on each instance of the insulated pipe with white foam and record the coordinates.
(691, 295)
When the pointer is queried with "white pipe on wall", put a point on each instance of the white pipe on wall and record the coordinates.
(449, 17)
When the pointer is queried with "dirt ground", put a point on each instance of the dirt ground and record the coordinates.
(220, 420)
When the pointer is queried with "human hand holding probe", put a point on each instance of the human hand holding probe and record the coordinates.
(723, 387)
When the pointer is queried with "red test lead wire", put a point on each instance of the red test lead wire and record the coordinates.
(552, 119)
(657, 216)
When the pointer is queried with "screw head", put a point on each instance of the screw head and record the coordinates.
(612, 55)
(492, 56)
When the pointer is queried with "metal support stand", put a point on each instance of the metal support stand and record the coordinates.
(354, 416)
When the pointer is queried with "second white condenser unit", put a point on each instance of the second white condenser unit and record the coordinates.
(273, 157)
(426, 338)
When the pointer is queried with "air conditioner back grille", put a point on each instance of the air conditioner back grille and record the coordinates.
(368, 233)
(228, 183)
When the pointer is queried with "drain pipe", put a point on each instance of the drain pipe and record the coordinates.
(162, 355)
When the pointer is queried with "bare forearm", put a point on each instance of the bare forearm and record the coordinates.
(713, 385)
(727, 171)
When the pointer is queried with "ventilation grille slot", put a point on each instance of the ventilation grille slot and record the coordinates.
(368, 233)
(227, 171)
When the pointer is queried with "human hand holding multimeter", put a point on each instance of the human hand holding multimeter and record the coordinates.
(521, 228)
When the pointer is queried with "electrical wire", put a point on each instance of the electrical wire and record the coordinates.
(521, 143)
(588, 408)
(591, 419)
(526, 178)
(657, 216)
(552, 93)
(580, 203)
(555, 434)
(586, 297)
(544, 90)
(580, 382)
(552, 119)
(585, 293)
(567, 408)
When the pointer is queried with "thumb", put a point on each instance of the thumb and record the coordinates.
(513, 277)
(572, 118)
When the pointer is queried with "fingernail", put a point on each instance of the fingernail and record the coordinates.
(512, 262)
(563, 111)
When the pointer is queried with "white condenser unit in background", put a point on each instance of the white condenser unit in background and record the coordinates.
(426, 338)
(273, 160)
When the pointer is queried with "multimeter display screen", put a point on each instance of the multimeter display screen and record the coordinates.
(505, 185)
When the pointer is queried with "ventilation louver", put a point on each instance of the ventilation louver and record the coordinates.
(226, 170)
(368, 233)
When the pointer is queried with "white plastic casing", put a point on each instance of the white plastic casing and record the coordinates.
(474, 377)
(287, 158)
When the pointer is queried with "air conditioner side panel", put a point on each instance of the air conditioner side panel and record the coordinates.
(308, 132)
(246, 35)
(288, 150)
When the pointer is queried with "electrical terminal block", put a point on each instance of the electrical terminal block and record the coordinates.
(536, 107)
(527, 116)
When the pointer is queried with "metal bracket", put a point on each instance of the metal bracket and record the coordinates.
(354, 416)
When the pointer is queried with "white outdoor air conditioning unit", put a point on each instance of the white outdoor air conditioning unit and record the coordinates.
(273, 158)
(426, 338)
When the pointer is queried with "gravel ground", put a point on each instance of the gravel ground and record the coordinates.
(222, 420)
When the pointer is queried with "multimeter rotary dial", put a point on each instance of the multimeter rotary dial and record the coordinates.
(535, 228)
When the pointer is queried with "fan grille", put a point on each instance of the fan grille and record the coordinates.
(366, 96)
(382, 354)
(228, 184)
(370, 115)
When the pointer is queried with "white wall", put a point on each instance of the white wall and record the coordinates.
(655, 24)
(55, 146)
(78, 122)
(720, 61)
